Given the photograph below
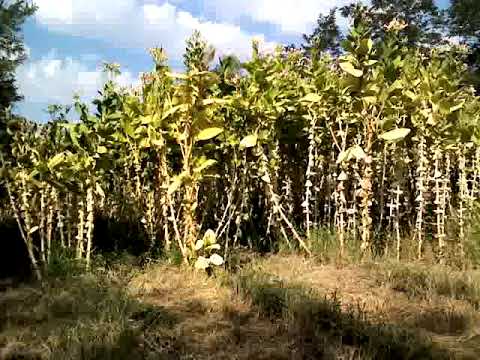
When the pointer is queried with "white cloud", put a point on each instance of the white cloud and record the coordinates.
(292, 16)
(55, 80)
(129, 24)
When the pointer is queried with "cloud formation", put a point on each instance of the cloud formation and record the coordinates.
(53, 79)
(129, 24)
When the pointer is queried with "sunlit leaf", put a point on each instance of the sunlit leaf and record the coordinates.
(209, 133)
(395, 135)
(56, 160)
(311, 97)
(249, 141)
(350, 69)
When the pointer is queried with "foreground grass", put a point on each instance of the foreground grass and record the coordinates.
(279, 307)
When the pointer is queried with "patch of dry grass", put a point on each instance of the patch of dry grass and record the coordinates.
(277, 307)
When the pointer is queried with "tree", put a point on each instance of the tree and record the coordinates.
(12, 51)
(422, 18)
(325, 37)
(464, 21)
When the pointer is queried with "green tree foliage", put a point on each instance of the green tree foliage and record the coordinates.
(12, 15)
(12, 53)
(464, 16)
(325, 37)
(465, 19)
(422, 18)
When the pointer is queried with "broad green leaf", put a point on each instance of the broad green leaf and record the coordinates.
(174, 109)
(204, 165)
(357, 152)
(101, 149)
(350, 69)
(395, 135)
(209, 238)
(209, 133)
(249, 141)
(216, 260)
(311, 97)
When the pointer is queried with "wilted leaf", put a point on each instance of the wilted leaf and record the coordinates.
(209, 133)
(202, 263)
(199, 244)
(396, 134)
(216, 259)
(350, 69)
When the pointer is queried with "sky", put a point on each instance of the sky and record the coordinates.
(68, 40)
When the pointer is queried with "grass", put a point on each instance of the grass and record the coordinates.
(419, 280)
(272, 307)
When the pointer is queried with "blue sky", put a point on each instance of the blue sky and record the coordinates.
(68, 40)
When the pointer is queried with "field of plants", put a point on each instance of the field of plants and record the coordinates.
(372, 157)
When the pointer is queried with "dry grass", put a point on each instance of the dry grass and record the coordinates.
(279, 307)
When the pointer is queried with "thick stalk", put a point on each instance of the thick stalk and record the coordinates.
(80, 229)
(52, 198)
(42, 228)
(462, 199)
(309, 174)
(421, 188)
(439, 204)
(89, 223)
(367, 191)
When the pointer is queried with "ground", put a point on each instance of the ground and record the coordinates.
(274, 307)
